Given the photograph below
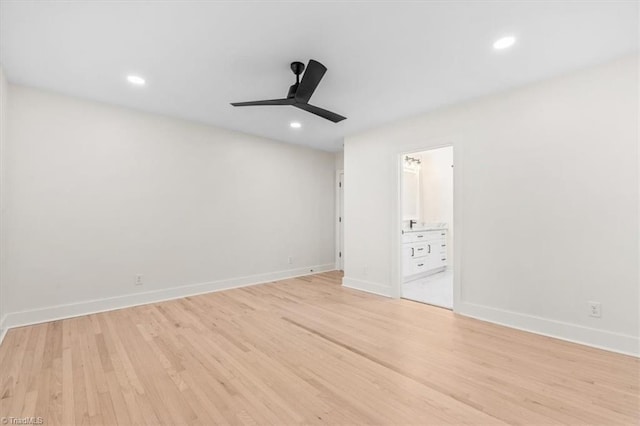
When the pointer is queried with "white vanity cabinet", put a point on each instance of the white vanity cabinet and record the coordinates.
(423, 252)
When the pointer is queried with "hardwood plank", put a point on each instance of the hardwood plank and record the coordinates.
(306, 351)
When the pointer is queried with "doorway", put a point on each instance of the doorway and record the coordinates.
(427, 227)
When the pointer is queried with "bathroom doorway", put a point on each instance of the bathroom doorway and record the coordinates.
(427, 227)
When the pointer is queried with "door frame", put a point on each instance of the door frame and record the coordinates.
(339, 220)
(396, 217)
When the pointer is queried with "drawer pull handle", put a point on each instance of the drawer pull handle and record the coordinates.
(420, 249)
(444, 245)
(429, 248)
(444, 259)
(420, 264)
(419, 236)
(412, 252)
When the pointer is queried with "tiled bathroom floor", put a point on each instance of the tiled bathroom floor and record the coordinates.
(435, 289)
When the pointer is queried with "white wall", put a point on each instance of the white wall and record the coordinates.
(546, 182)
(3, 132)
(96, 194)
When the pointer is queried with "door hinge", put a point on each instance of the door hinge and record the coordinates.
(339, 254)
(340, 184)
(340, 219)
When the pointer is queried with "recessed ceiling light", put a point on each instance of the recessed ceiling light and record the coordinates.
(135, 79)
(504, 42)
(295, 125)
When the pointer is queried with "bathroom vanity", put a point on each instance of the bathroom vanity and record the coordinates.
(424, 252)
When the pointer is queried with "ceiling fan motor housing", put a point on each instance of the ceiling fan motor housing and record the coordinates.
(297, 67)
(292, 91)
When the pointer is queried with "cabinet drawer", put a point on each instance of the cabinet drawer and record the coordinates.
(440, 260)
(438, 235)
(420, 250)
(414, 237)
(420, 265)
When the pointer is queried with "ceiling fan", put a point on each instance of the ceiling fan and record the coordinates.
(300, 93)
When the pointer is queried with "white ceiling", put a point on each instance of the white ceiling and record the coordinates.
(386, 60)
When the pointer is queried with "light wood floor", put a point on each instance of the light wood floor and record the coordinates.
(305, 350)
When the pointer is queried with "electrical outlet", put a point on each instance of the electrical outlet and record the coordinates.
(290, 260)
(138, 279)
(595, 309)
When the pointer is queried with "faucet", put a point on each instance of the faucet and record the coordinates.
(411, 223)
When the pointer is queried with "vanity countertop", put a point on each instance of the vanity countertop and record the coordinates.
(424, 228)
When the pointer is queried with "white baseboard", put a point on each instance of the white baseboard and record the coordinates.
(3, 330)
(53, 313)
(368, 286)
(601, 339)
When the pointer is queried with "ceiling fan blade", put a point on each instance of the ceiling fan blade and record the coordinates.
(286, 101)
(331, 116)
(310, 80)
